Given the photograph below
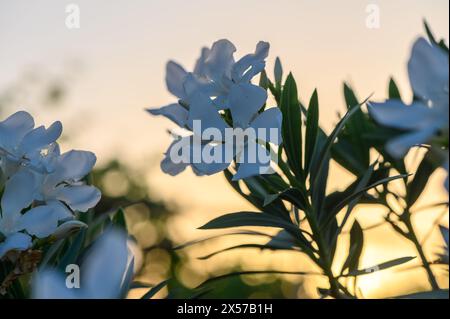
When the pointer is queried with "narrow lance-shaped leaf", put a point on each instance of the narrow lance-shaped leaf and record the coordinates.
(356, 248)
(382, 266)
(291, 126)
(394, 92)
(317, 166)
(153, 291)
(312, 129)
(421, 178)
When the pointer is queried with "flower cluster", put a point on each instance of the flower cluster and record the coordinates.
(426, 119)
(223, 113)
(42, 188)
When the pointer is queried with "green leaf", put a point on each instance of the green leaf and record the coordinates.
(71, 255)
(119, 219)
(383, 266)
(394, 92)
(250, 219)
(258, 219)
(154, 290)
(432, 39)
(246, 246)
(356, 248)
(318, 165)
(291, 126)
(312, 129)
(357, 194)
(263, 80)
(421, 178)
(357, 127)
(293, 195)
(244, 232)
(278, 72)
(262, 272)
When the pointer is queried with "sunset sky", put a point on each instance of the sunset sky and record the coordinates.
(114, 68)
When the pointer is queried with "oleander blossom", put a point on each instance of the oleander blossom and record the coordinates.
(215, 73)
(219, 85)
(43, 189)
(426, 119)
(104, 272)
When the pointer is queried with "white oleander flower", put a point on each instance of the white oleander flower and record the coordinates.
(214, 75)
(102, 273)
(427, 117)
(241, 142)
(42, 187)
(22, 145)
(61, 187)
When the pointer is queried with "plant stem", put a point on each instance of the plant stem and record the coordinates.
(406, 218)
(325, 262)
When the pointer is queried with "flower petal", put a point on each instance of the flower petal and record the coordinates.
(399, 146)
(428, 70)
(20, 191)
(175, 75)
(253, 161)
(220, 60)
(174, 112)
(245, 102)
(177, 157)
(251, 64)
(17, 241)
(200, 67)
(73, 165)
(14, 128)
(215, 158)
(268, 123)
(394, 113)
(40, 138)
(79, 198)
(51, 284)
(104, 267)
(205, 115)
(40, 221)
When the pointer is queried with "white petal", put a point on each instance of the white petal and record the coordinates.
(178, 156)
(399, 146)
(245, 102)
(204, 112)
(175, 75)
(251, 64)
(269, 122)
(428, 70)
(51, 284)
(41, 137)
(79, 198)
(394, 113)
(17, 241)
(218, 159)
(253, 165)
(14, 128)
(20, 191)
(104, 266)
(41, 221)
(220, 60)
(200, 68)
(73, 165)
